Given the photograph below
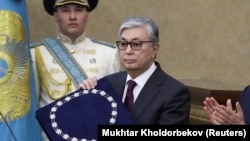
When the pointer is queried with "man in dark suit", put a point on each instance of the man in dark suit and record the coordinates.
(158, 97)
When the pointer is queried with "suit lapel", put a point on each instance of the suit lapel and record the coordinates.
(149, 91)
(118, 83)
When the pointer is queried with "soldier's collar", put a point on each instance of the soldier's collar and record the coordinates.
(66, 39)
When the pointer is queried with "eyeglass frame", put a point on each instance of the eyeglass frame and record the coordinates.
(118, 44)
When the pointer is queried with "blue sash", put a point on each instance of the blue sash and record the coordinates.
(66, 60)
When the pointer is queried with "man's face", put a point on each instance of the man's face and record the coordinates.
(137, 61)
(71, 19)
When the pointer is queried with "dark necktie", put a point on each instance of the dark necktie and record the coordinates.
(129, 100)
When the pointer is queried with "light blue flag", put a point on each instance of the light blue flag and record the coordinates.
(18, 99)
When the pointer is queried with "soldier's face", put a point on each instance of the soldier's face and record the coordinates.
(71, 19)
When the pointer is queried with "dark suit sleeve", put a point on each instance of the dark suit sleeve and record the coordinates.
(177, 110)
(245, 104)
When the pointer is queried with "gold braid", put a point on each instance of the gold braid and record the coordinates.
(46, 77)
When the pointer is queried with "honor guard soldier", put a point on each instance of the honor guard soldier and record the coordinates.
(61, 63)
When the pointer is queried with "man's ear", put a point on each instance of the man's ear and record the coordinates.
(55, 17)
(156, 48)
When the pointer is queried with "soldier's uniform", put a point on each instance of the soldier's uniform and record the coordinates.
(96, 58)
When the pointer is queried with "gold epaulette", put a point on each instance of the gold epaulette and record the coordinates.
(104, 43)
(35, 44)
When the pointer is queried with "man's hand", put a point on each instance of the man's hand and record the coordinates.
(223, 115)
(89, 83)
(209, 106)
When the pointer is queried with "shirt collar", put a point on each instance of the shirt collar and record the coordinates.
(66, 39)
(142, 79)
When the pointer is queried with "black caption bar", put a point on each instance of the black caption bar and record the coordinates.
(163, 132)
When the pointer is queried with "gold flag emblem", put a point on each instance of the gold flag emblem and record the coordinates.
(14, 67)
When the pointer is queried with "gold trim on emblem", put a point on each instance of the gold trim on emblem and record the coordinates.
(15, 94)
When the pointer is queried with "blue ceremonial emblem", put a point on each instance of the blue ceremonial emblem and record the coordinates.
(83, 110)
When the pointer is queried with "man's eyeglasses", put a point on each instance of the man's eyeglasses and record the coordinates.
(135, 45)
